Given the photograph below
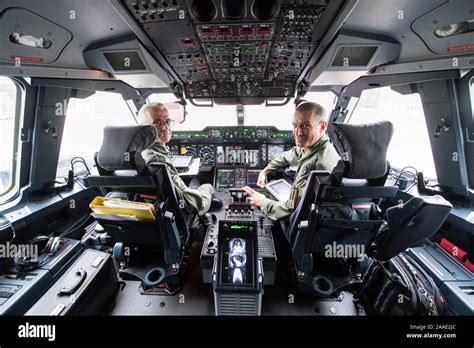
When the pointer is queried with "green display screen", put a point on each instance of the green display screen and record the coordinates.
(237, 227)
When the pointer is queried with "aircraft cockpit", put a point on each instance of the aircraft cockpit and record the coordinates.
(237, 157)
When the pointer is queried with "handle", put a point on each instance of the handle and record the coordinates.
(82, 274)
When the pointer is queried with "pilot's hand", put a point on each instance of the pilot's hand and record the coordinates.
(255, 197)
(262, 178)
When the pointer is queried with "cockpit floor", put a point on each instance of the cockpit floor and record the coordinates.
(197, 298)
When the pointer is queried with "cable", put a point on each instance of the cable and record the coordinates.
(80, 222)
(404, 171)
(79, 159)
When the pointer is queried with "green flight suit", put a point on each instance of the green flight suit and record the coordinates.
(196, 200)
(320, 156)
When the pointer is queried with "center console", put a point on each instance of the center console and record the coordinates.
(241, 217)
(237, 276)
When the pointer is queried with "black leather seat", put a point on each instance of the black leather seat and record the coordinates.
(124, 174)
(344, 213)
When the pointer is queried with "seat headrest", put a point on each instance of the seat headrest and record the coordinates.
(121, 143)
(362, 147)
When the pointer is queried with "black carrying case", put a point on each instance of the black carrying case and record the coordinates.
(84, 289)
(400, 286)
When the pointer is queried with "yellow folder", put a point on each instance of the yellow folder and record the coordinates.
(142, 211)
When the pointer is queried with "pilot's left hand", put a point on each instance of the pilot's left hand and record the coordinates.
(255, 197)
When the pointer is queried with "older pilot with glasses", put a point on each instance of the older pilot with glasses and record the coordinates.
(197, 200)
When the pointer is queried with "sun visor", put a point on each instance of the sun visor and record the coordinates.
(27, 38)
(351, 56)
(128, 60)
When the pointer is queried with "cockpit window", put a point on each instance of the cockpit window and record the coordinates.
(9, 121)
(85, 122)
(471, 91)
(199, 118)
(410, 145)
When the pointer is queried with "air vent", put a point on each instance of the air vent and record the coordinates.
(203, 10)
(265, 9)
(237, 304)
(233, 9)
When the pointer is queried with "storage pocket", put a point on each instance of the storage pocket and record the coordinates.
(133, 232)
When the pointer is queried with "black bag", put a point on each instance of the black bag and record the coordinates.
(400, 287)
(84, 289)
(348, 224)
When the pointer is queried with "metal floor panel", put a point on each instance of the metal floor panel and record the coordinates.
(197, 298)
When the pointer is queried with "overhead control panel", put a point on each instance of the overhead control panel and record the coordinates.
(156, 11)
(241, 51)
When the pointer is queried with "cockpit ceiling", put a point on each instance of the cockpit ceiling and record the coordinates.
(229, 51)
(414, 24)
(235, 48)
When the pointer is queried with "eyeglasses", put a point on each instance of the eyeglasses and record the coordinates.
(304, 126)
(169, 123)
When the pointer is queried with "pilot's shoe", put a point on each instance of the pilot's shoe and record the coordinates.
(216, 203)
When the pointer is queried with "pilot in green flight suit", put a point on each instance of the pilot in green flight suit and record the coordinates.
(196, 200)
(313, 151)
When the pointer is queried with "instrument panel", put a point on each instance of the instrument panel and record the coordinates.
(248, 155)
(237, 153)
(274, 151)
(236, 178)
(207, 153)
(247, 147)
(230, 134)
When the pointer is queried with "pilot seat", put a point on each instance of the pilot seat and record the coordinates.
(154, 252)
(345, 228)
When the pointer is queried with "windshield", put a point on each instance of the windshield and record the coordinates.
(80, 139)
(410, 144)
(9, 119)
(199, 118)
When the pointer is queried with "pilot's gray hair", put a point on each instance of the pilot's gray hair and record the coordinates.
(154, 105)
(316, 109)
